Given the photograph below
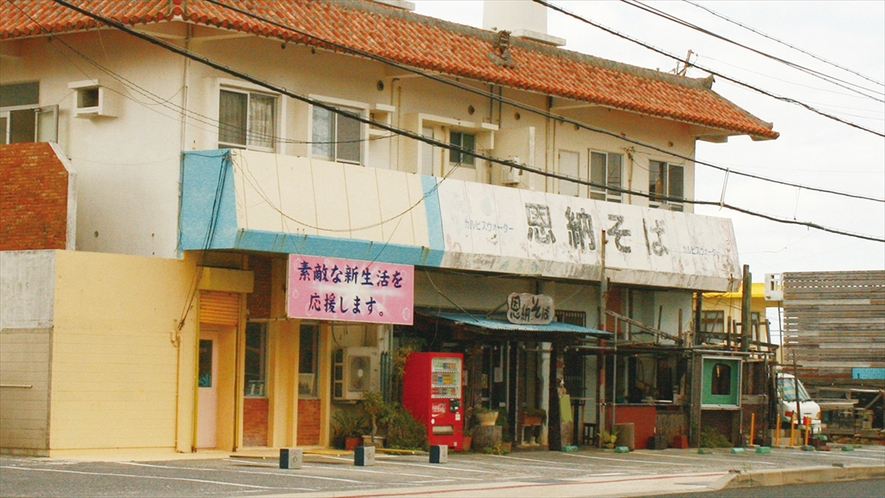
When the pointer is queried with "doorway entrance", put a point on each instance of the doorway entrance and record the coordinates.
(207, 391)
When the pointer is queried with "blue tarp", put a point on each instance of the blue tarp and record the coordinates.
(503, 325)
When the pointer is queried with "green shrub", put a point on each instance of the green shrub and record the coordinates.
(404, 432)
(710, 438)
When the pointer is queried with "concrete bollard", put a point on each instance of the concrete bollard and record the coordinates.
(364, 456)
(291, 458)
(439, 453)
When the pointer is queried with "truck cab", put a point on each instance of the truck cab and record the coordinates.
(788, 389)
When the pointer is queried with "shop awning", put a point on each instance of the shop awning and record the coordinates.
(500, 324)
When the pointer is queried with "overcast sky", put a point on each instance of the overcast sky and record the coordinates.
(812, 150)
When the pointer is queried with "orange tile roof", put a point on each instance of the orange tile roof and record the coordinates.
(421, 42)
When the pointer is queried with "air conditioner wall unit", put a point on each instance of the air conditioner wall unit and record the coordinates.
(355, 371)
(510, 175)
(774, 287)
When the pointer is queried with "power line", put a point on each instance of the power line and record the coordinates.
(213, 122)
(415, 136)
(760, 33)
(526, 107)
(715, 73)
(817, 74)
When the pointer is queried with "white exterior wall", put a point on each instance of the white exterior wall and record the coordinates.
(128, 165)
(667, 309)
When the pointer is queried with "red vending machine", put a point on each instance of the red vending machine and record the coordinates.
(432, 394)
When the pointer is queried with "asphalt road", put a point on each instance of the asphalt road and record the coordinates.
(538, 473)
(871, 488)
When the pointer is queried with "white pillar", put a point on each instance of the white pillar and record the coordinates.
(545, 388)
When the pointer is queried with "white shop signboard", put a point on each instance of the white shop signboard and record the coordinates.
(534, 233)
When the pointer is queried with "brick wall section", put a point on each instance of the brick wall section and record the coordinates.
(258, 301)
(33, 198)
(308, 422)
(255, 421)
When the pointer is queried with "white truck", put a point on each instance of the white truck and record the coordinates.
(788, 387)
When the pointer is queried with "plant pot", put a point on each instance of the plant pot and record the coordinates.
(352, 442)
(466, 443)
(487, 419)
(378, 443)
(531, 420)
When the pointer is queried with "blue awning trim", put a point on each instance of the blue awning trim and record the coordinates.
(505, 326)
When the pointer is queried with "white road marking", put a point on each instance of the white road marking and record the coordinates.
(250, 472)
(624, 460)
(111, 474)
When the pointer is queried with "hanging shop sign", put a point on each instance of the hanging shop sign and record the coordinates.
(534, 309)
(350, 290)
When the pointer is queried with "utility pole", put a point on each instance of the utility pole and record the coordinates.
(746, 312)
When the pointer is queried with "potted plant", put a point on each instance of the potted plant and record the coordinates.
(349, 427)
(467, 440)
(534, 416)
(608, 439)
(379, 411)
(485, 416)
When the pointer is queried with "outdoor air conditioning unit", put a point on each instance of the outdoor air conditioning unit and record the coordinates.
(511, 175)
(355, 370)
(774, 287)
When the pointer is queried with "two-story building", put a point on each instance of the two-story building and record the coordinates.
(270, 193)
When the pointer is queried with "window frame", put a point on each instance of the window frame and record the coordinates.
(44, 130)
(308, 375)
(665, 171)
(353, 107)
(276, 120)
(455, 156)
(605, 194)
(259, 385)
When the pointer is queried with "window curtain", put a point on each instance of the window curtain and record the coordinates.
(232, 118)
(348, 135)
(261, 121)
(323, 133)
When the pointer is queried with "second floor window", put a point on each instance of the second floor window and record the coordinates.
(337, 137)
(21, 117)
(466, 141)
(246, 120)
(605, 169)
(666, 184)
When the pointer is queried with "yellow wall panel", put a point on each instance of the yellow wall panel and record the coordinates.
(115, 376)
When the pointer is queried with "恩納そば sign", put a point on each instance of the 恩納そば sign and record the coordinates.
(350, 290)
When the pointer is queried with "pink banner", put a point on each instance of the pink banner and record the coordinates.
(350, 290)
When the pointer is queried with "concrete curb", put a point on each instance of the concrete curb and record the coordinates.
(805, 475)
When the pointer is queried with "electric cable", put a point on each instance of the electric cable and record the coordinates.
(760, 33)
(419, 137)
(817, 74)
(212, 122)
(710, 71)
(522, 106)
